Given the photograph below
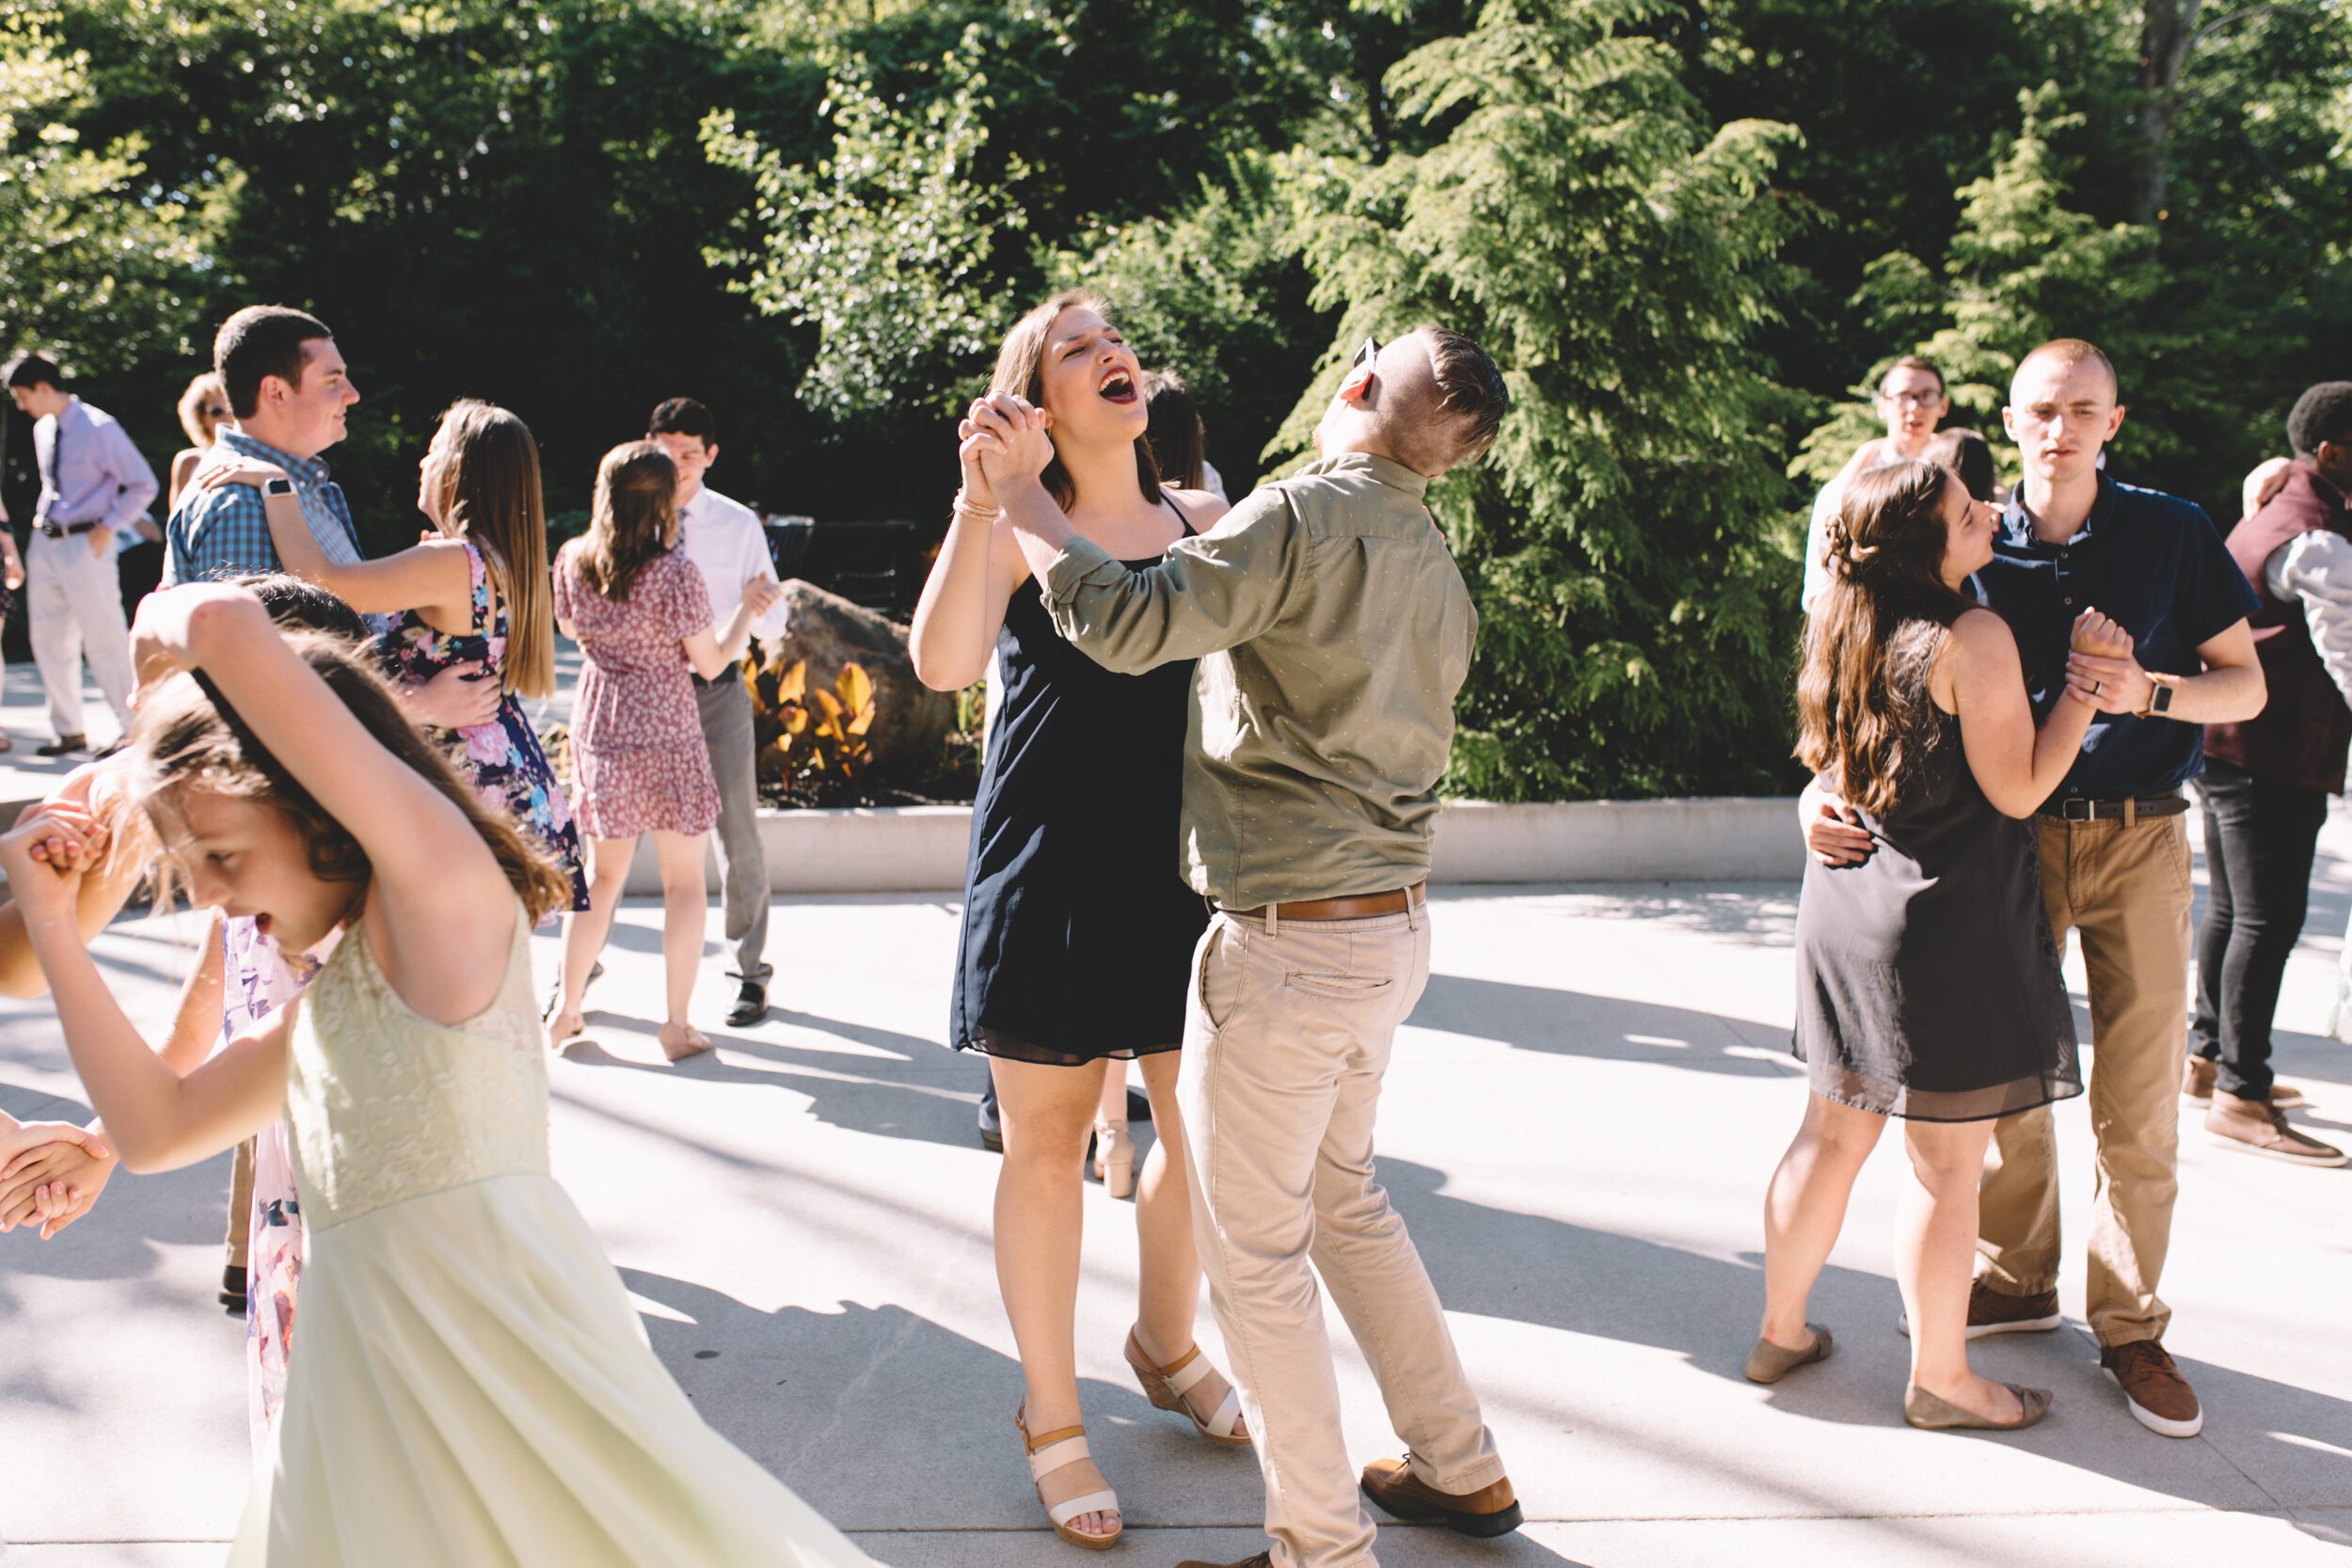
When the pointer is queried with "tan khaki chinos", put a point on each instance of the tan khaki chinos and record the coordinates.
(2124, 890)
(1286, 1039)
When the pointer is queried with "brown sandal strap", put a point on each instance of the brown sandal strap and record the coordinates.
(1047, 1439)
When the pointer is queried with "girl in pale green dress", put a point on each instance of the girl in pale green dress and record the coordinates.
(473, 1386)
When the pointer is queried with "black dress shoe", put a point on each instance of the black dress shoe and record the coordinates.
(233, 1290)
(62, 745)
(751, 1005)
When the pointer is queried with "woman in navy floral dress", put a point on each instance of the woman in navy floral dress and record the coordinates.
(476, 596)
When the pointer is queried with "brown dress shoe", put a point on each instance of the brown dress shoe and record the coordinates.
(1264, 1560)
(2197, 1080)
(2259, 1127)
(1492, 1509)
(2159, 1396)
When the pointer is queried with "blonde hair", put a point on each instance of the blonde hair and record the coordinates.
(489, 494)
(634, 522)
(206, 389)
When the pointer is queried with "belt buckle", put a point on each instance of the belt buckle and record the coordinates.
(2078, 810)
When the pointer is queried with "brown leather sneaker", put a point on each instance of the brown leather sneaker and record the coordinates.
(1264, 1560)
(2197, 1080)
(1991, 1311)
(2158, 1396)
(1492, 1509)
(2259, 1127)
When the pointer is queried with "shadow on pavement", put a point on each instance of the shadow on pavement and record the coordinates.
(1609, 1028)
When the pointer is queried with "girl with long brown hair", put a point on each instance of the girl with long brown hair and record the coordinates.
(642, 615)
(473, 598)
(1928, 983)
(1077, 929)
(456, 1312)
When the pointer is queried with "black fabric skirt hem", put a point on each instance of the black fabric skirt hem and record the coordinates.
(1989, 1103)
(996, 1042)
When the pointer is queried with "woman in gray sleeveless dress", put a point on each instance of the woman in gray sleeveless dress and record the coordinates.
(1928, 984)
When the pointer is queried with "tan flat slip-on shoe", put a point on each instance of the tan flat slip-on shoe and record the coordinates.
(1165, 1388)
(1769, 1363)
(1050, 1452)
(1932, 1413)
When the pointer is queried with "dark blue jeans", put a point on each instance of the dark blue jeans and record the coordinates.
(2260, 838)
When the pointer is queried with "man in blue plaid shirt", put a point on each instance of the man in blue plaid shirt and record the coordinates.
(287, 389)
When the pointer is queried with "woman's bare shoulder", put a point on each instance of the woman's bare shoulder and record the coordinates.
(1201, 508)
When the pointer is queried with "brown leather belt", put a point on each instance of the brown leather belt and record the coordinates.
(2126, 809)
(1361, 907)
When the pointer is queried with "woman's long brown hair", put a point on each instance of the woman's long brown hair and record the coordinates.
(186, 736)
(1887, 543)
(490, 495)
(635, 519)
(1021, 370)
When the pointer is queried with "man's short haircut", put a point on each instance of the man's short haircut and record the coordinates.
(300, 605)
(258, 341)
(1451, 416)
(1912, 362)
(2071, 352)
(683, 416)
(32, 370)
(2322, 413)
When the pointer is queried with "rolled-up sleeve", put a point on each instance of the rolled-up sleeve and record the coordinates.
(135, 481)
(1210, 592)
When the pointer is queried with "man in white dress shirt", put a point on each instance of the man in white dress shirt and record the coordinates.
(725, 541)
(94, 482)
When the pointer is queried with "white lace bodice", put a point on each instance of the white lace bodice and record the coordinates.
(384, 1105)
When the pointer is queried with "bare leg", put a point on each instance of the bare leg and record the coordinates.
(1168, 1299)
(1935, 1250)
(1046, 1112)
(585, 931)
(685, 910)
(1805, 1208)
(1113, 1108)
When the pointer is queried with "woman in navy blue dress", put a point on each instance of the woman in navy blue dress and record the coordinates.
(1078, 929)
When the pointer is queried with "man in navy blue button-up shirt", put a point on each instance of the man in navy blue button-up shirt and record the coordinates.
(2114, 853)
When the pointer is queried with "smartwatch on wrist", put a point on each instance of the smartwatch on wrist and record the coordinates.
(279, 486)
(2159, 700)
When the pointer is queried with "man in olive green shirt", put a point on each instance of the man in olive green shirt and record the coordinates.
(1332, 631)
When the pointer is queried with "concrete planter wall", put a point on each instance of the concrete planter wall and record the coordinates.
(922, 848)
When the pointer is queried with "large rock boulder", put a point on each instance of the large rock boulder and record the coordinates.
(910, 721)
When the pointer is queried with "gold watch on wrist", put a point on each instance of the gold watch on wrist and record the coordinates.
(2159, 697)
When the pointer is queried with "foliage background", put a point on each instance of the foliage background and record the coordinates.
(1691, 229)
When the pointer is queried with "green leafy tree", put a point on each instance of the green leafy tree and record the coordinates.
(1583, 223)
(884, 245)
(95, 265)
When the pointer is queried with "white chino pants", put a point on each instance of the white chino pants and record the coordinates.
(75, 601)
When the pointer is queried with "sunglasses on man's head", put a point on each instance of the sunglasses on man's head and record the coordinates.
(1366, 353)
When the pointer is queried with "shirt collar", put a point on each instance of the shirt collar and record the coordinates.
(305, 470)
(2017, 529)
(1395, 475)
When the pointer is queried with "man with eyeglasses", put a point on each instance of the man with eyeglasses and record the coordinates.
(1911, 401)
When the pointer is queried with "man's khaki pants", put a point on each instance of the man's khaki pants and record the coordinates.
(2126, 890)
(75, 603)
(1286, 1037)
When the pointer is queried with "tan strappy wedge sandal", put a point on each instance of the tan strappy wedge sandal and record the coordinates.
(1048, 1452)
(1167, 1385)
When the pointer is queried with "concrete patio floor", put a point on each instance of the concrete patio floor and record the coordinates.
(1578, 1128)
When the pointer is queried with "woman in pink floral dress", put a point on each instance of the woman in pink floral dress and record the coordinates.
(642, 618)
